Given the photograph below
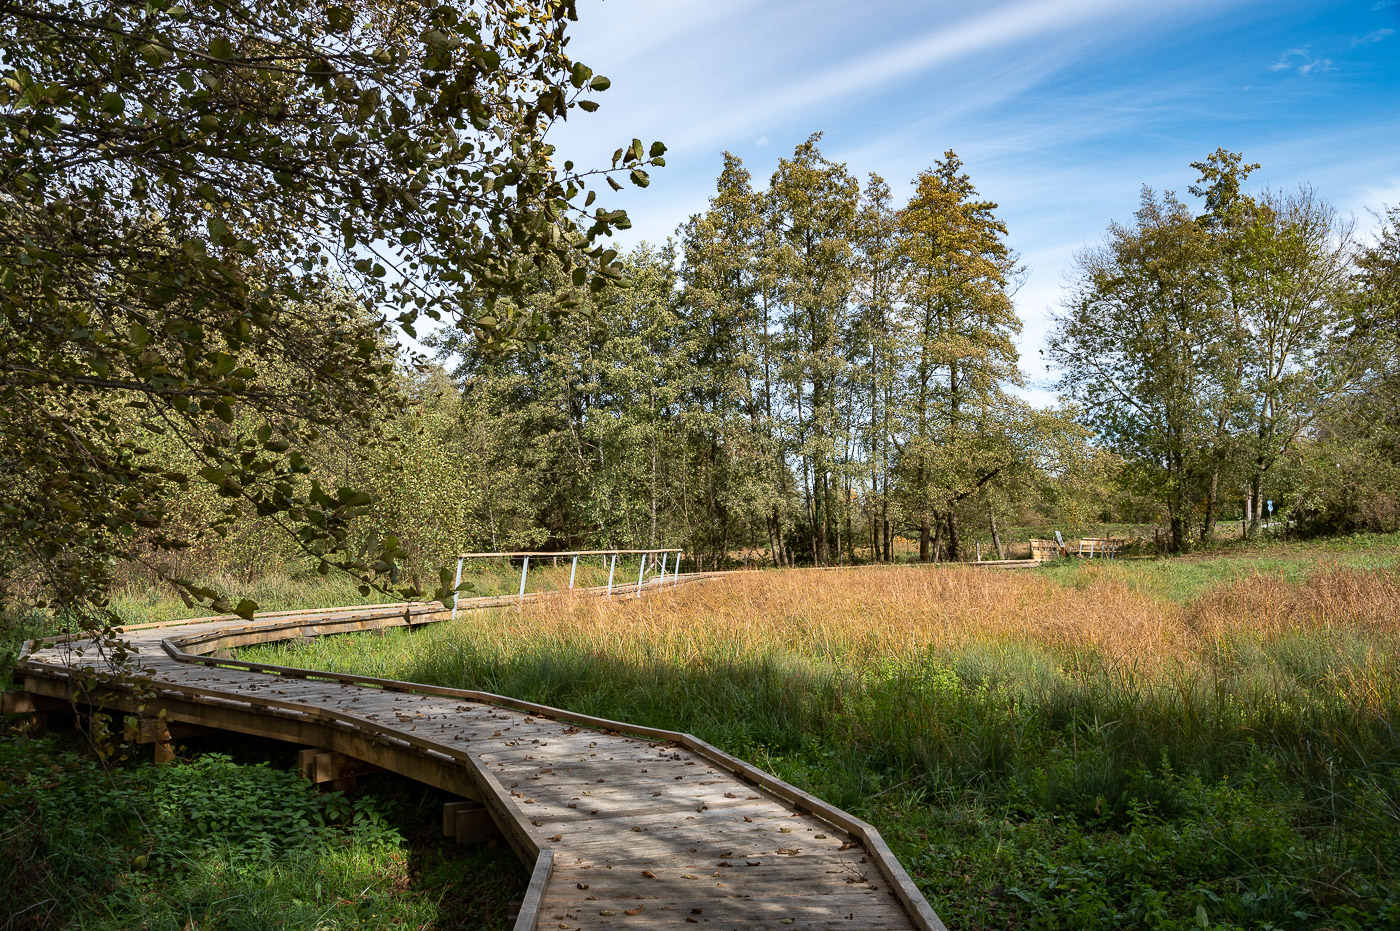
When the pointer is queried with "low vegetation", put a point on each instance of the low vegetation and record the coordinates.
(217, 842)
(1191, 744)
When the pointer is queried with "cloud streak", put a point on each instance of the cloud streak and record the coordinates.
(1005, 26)
(1301, 61)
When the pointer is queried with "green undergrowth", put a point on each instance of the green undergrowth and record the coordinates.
(213, 842)
(1181, 579)
(1027, 788)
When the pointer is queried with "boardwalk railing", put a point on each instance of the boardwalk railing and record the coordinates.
(609, 558)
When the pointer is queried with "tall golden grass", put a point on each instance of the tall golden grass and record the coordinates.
(857, 615)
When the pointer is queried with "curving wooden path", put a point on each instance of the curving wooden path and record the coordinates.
(625, 826)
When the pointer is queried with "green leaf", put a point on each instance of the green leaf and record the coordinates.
(113, 103)
(340, 18)
(246, 608)
(657, 150)
(600, 83)
(588, 106)
(221, 47)
(579, 74)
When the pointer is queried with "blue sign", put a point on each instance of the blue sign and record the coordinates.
(1271, 505)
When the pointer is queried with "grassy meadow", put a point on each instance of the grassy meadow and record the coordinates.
(1199, 743)
(1205, 742)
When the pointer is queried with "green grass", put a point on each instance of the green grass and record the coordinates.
(1181, 579)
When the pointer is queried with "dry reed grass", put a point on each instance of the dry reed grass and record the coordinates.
(859, 615)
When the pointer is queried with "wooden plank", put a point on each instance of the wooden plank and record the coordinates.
(530, 907)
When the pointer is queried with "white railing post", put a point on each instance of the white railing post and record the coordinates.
(641, 572)
(662, 580)
(676, 572)
(524, 569)
(612, 567)
(573, 570)
(455, 586)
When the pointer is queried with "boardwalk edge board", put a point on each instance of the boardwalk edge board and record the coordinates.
(288, 625)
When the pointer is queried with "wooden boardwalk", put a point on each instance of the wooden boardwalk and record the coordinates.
(624, 826)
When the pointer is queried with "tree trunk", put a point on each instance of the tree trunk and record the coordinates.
(1180, 535)
(1212, 503)
(924, 540)
(937, 539)
(1256, 492)
(954, 539)
(996, 537)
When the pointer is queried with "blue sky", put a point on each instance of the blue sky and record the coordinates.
(1061, 109)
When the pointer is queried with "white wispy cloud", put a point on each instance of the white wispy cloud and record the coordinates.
(1302, 61)
(1007, 25)
(1379, 35)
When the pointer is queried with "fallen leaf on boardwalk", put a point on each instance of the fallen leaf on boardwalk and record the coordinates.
(633, 911)
(784, 830)
(608, 911)
(748, 819)
(581, 885)
(557, 838)
(689, 876)
(730, 795)
(648, 874)
(788, 852)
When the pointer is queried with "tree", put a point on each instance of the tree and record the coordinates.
(876, 356)
(1284, 263)
(811, 209)
(191, 195)
(958, 272)
(1143, 344)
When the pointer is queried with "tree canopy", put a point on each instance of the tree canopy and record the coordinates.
(210, 216)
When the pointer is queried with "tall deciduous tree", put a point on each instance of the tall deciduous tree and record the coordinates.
(958, 271)
(811, 210)
(1141, 343)
(189, 191)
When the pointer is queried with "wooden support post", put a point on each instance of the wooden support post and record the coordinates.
(469, 823)
(322, 766)
(454, 588)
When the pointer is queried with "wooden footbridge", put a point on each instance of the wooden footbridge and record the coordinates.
(623, 826)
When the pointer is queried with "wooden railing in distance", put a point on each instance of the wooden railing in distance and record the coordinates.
(609, 559)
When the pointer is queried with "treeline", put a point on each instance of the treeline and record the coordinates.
(811, 373)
